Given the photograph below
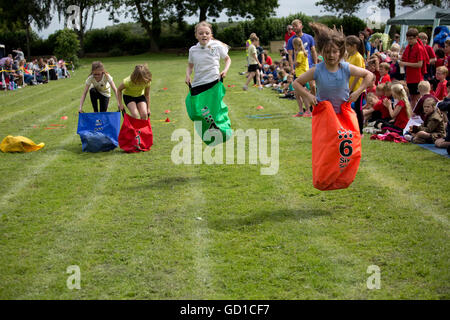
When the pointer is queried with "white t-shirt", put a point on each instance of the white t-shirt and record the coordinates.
(206, 61)
(103, 86)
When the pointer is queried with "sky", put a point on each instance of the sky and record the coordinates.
(286, 8)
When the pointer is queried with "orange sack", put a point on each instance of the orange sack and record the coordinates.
(336, 146)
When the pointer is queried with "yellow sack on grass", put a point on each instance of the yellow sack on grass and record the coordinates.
(19, 144)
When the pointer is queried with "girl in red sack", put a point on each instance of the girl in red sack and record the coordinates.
(335, 134)
(136, 92)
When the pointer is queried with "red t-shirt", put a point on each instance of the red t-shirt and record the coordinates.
(386, 78)
(287, 36)
(439, 62)
(380, 107)
(441, 90)
(269, 60)
(430, 52)
(402, 117)
(413, 75)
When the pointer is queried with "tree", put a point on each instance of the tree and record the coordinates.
(148, 12)
(213, 8)
(67, 45)
(349, 7)
(87, 8)
(22, 13)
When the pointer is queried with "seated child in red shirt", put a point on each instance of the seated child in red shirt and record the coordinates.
(384, 72)
(441, 90)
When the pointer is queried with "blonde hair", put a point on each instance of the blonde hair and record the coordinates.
(395, 48)
(141, 74)
(203, 24)
(442, 69)
(399, 91)
(424, 86)
(298, 45)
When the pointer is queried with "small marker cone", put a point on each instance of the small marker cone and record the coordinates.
(167, 111)
(64, 117)
(229, 86)
(259, 107)
(167, 120)
(164, 88)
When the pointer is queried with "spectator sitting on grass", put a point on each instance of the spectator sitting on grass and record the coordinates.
(441, 90)
(433, 126)
(444, 107)
(424, 88)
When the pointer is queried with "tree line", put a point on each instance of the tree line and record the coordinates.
(151, 14)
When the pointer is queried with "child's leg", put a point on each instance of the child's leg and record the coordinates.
(142, 109)
(359, 114)
(249, 77)
(133, 109)
(94, 97)
(258, 78)
(104, 101)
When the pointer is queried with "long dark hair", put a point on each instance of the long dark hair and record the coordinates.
(354, 40)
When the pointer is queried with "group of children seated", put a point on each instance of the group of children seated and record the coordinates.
(430, 114)
(16, 73)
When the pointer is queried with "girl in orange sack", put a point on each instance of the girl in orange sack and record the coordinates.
(336, 140)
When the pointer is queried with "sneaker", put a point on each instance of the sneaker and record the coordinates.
(255, 85)
(260, 88)
(298, 115)
(307, 114)
(241, 73)
(245, 88)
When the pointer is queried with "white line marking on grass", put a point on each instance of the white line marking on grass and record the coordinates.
(9, 116)
(404, 196)
(17, 188)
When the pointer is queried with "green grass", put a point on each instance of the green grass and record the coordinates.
(141, 227)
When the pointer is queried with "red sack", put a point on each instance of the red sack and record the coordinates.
(336, 146)
(135, 134)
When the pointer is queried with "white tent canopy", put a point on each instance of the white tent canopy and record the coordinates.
(429, 15)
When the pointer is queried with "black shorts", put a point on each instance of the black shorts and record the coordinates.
(129, 99)
(252, 68)
(413, 88)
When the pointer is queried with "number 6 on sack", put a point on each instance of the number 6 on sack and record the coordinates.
(336, 146)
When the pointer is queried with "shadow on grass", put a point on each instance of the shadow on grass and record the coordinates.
(167, 183)
(280, 215)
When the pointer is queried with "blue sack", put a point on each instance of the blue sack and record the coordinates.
(99, 131)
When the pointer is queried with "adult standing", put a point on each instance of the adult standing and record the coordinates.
(289, 33)
(308, 44)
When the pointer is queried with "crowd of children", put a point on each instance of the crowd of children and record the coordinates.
(16, 72)
(408, 84)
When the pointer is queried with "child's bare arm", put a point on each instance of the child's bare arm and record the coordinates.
(147, 97)
(83, 97)
(189, 70)
(119, 94)
(224, 72)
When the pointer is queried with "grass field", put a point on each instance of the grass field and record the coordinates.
(140, 227)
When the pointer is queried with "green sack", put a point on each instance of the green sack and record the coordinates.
(209, 108)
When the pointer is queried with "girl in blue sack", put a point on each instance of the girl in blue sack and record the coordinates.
(99, 84)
